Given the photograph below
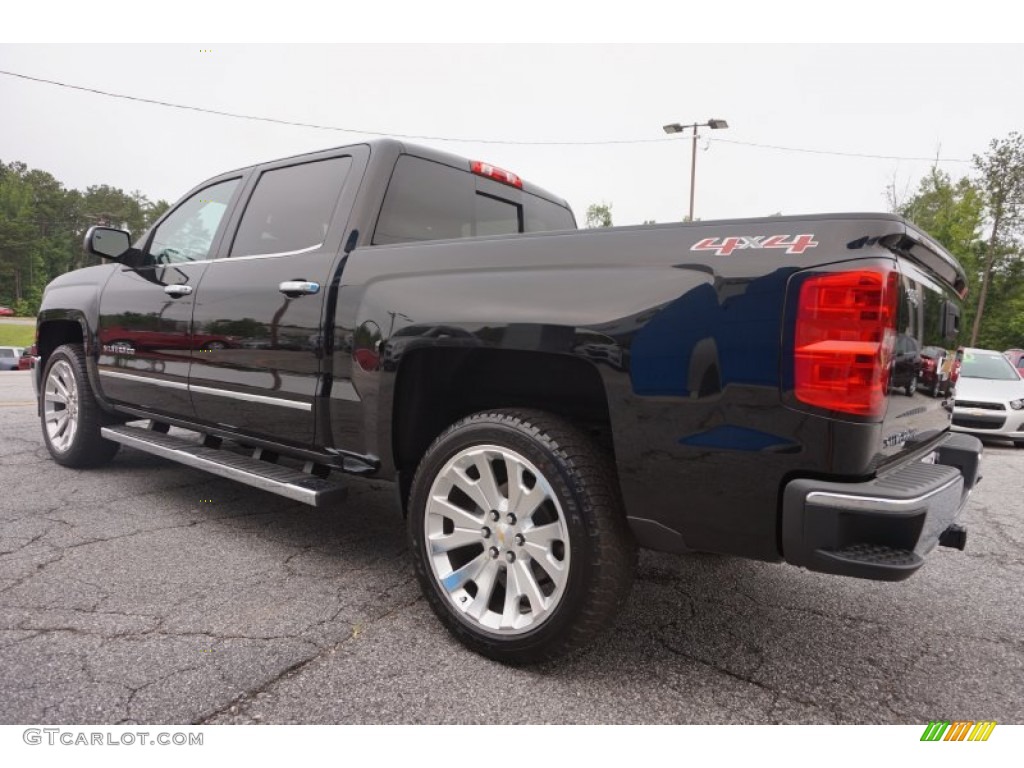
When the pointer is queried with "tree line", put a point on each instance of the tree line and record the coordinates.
(42, 224)
(979, 218)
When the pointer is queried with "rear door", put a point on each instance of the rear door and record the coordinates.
(266, 294)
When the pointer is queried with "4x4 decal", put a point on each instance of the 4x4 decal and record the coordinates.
(723, 246)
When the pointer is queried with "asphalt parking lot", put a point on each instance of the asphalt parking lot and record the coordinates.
(147, 592)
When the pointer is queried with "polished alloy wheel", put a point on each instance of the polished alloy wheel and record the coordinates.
(60, 406)
(497, 539)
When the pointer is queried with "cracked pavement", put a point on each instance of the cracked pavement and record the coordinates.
(126, 597)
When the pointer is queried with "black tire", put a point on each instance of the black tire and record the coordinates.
(934, 391)
(911, 387)
(1018, 443)
(600, 553)
(85, 448)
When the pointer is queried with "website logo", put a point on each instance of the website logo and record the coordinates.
(958, 730)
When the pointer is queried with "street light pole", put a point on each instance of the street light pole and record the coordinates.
(693, 169)
(714, 125)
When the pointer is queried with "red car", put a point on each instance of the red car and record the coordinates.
(1016, 356)
(6, 312)
(28, 358)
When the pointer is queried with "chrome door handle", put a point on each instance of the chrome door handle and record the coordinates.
(295, 288)
(177, 291)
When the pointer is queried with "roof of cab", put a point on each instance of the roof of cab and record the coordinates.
(417, 150)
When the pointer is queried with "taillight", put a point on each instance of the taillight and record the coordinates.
(498, 174)
(845, 334)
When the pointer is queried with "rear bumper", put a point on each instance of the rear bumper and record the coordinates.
(883, 528)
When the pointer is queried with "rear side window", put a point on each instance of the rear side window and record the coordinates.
(544, 216)
(430, 201)
(291, 208)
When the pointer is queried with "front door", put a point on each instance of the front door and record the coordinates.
(268, 295)
(145, 328)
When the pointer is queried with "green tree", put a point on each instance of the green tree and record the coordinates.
(953, 213)
(1001, 180)
(599, 215)
(17, 234)
(42, 224)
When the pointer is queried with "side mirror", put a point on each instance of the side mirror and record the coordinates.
(107, 242)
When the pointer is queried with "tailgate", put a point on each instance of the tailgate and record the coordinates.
(931, 283)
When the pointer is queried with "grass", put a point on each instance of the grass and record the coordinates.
(17, 335)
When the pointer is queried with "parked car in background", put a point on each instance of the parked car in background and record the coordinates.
(27, 360)
(6, 312)
(936, 371)
(1016, 358)
(907, 364)
(989, 396)
(9, 358)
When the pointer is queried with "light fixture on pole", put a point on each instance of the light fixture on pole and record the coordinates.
(714, 125)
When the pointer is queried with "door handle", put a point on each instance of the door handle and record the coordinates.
(296, 288)
(177, 291)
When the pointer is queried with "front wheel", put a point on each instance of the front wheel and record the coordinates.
(521, 546)
(71, 417)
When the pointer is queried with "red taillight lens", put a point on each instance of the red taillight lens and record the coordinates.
(845, 333)
(498, 174)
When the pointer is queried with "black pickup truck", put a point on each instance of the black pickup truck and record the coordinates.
(544, 399)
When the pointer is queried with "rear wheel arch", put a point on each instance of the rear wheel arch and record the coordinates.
(436, 387)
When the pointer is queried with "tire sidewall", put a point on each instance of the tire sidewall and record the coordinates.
(77, 452)
(575, 508)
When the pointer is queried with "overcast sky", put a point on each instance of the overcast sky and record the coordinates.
(906, 101)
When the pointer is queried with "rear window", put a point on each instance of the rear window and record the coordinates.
(430, 201)
(7, 353)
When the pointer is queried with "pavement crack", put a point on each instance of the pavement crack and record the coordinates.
(238, 704)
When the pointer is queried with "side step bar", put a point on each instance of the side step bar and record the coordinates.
(284, 481)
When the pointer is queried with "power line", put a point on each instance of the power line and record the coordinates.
(510, 142)
(840, 154)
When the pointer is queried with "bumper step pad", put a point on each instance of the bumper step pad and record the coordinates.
(876, 554)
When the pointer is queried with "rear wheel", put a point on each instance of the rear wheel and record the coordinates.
(520, 543)
(911, 388)
(71, 417)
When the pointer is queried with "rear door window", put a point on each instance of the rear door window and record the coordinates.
(291, 208)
